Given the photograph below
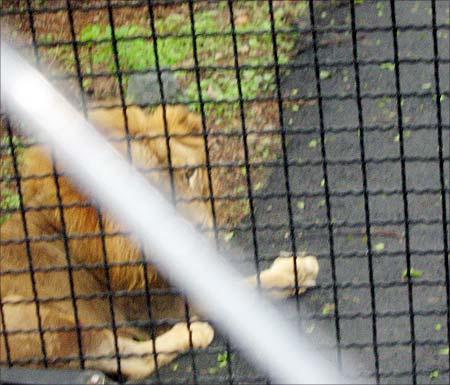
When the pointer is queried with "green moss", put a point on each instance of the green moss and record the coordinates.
(136, 53)
(9, 199)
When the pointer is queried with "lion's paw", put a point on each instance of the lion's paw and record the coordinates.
(202, 334)
(307, 271)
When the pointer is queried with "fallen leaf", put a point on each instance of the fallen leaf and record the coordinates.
(324, 74)
(328, 308)
(387, 66)
(228, 236)
(312, 143)
(414, 273)
(434, 374)
(443, 352)
(213, 370)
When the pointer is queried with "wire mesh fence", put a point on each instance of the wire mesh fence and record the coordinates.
(317, 126)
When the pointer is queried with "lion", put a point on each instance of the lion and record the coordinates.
(88, 274)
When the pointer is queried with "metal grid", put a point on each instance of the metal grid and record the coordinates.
(265, 234)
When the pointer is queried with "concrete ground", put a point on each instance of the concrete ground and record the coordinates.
(349, 242)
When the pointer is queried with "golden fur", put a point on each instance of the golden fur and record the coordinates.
(84, 246)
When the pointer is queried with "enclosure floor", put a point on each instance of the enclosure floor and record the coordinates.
(355, 322)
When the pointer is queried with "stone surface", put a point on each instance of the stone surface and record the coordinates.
(145, 88)
(349, 244)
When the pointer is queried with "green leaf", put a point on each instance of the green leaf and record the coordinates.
(413, 273)
(388, 66)
(228, 236)
(443, 352)
(222, 359)
(324, 74)
(312, 143)
(379, 246)
(240, 189)
(213, 370)
(406, 135)
(438, 327)
(426, 86)
(327, 309)
(434, 374)
(300, 205)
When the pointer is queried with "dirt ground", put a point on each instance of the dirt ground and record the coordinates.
(225, 141)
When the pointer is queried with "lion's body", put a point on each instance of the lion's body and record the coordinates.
(62, 228)
(84, 248)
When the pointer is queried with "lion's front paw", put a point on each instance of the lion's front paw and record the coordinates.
(202, 334)
(307, 271)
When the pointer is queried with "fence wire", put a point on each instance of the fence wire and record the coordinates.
(325, 129)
